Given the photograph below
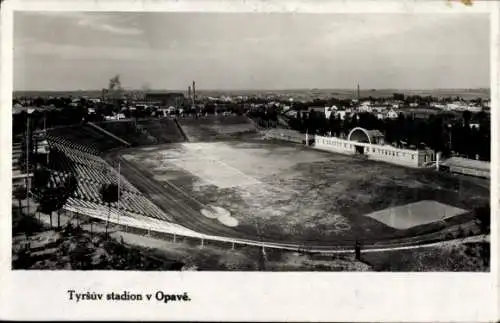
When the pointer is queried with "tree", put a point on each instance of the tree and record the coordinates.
(483, 218)
(466, 116)
(109, 194)
(40, 182)
(65, 191)
(23, 259)
(48, 203)
(20, 194)
(398, 96)
(53, 197)
(41, 179)
(357, 250)
(26, 225)
(80, 255)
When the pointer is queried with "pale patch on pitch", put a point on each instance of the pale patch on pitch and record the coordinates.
(199, 161)
(228, 221)
(209, 214)
(410, 215)
(221, 214)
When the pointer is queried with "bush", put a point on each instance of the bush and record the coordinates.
(22, 259)
(71, 230)
(26, 224)
(80, 254)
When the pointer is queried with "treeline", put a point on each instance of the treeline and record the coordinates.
(64, 113)
(446, 133)
(427, 99)
(404, 99)
(70, 115)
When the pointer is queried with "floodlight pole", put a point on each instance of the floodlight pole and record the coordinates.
(450, 128)
(27, 162)
(259, 234)
(118, 202)
(45, 134)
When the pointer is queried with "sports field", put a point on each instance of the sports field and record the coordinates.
(288, 193)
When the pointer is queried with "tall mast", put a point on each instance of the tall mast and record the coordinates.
(28, 160)
(118, 202)
(194, 93)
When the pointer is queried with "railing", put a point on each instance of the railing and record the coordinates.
(176, 233)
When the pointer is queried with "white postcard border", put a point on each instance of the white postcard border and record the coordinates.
(218, 296)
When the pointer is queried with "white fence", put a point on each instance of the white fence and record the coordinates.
(384, 153)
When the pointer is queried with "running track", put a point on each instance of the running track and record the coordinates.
(183, 209)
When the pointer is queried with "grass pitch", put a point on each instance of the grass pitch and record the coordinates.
(286, 192)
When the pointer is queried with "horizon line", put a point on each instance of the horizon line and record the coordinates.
(269, 90)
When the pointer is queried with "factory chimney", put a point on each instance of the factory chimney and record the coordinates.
(194, 93)
(189, 92)
(358, 92)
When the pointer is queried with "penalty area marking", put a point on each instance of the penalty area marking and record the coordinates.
(189, 164)
(198, 150)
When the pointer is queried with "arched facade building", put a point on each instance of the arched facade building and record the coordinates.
(370, 143)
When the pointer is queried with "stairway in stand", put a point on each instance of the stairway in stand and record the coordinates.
(16, 153)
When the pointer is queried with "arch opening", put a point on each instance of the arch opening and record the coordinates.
(360, 135)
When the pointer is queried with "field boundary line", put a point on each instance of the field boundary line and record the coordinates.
(253, 179)
(169, 183)
(109, 134)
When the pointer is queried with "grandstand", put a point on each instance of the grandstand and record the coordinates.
(213, 128)
(128, 131)
(79, 150)
(92, 172)
(465, 166)
(163, 130)
(85, 137)
(18, 175)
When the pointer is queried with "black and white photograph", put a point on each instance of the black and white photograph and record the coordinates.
(251, 141)
(215, 160)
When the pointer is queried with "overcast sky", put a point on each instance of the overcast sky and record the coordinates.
(72, 51)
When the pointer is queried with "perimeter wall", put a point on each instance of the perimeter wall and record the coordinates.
(388, 154)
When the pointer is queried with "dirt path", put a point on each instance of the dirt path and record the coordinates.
(150, 242)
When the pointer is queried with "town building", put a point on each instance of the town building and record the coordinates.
(365, 107)
(370, 144)
(165, 99)
(391, 114)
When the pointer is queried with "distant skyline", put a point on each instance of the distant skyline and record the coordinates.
(250, 51)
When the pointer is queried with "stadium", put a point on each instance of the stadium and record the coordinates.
(221, 180)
